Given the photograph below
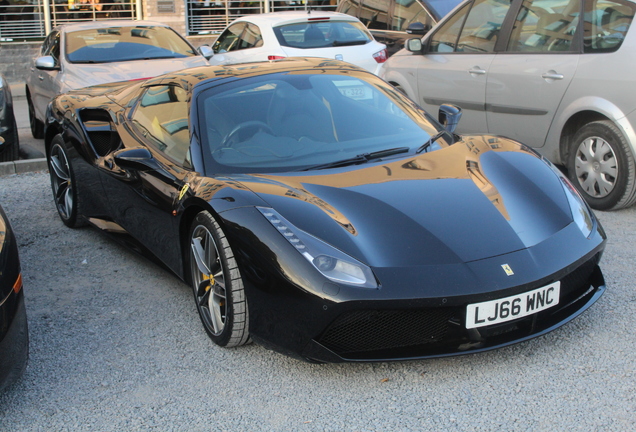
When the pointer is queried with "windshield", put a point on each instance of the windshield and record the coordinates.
(102, 45)
(293, 121)
(322, 34)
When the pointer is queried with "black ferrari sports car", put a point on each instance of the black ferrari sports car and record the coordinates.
(316, 210)
(14, 333)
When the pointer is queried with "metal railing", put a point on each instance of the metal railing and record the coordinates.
(212, 16)
(20, 20)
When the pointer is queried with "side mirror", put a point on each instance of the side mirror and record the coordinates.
(418, 28)
(138, 159)
(206, 51)
(413, 45)
(46, 63)
(449, 116)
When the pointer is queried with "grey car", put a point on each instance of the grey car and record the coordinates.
(556, 75)
(83, 54)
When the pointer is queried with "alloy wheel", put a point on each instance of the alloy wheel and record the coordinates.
(61, 181)
(209, 280)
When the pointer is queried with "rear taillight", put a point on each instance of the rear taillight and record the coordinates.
(275, 57)
(381, 56)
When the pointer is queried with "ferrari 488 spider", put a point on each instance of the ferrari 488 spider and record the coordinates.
(316, 210)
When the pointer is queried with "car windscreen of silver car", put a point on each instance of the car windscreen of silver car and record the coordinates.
(104, 45)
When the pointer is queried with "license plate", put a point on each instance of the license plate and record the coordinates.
(513, 307)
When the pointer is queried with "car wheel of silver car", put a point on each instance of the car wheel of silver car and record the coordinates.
(63, 184)
(37, 127)
(601, 165)
(217, 283)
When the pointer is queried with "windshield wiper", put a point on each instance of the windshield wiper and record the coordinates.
(361, 158)
(337, 43)
(431, 140)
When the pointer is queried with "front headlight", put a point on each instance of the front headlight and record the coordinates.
(332, 263)
(581, 212)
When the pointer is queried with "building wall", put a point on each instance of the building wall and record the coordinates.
(16, 59)
(173, 13)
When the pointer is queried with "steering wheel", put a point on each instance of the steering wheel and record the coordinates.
(231, 138)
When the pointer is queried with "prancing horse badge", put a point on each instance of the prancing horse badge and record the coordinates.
(507, 269)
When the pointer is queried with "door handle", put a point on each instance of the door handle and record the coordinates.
(477, 71)
(552, 75)
(40, 77)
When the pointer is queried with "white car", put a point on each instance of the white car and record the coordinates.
(278, 35)
(89, 53)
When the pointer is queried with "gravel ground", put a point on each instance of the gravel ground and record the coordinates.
(116, 345)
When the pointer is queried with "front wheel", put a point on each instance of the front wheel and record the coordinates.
(65, 194)
(217, 283)
(601, 166)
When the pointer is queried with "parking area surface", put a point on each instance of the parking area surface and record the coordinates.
(116, 345)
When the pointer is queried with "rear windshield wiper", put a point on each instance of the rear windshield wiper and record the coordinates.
(361, 158)
(337, 43)
(431, 140)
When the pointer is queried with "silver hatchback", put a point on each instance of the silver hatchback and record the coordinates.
(556, 75)
(89, 53)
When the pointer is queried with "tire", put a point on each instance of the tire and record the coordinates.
(37, 127)
(217, 283)
(601, 166)
(12, 152)
(67, 200)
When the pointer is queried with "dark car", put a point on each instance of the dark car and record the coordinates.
(14, 335)
(9, 141)
(318, 211)
(392, 22)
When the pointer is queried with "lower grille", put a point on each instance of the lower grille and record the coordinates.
(427, 331)
(375, 330)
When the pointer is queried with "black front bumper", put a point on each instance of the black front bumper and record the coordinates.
(418, 333)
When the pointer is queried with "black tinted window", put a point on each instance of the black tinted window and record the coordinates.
(283, 121)
(229, 39)
(251, 37)
(321, 34)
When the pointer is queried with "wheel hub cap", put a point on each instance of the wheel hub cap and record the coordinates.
(596, 167)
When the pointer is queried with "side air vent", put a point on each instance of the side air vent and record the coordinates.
(100, 130)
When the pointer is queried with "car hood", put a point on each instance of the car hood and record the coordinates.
(83, 75)
(479, 198)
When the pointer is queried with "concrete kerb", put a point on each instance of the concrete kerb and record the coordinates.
(23, 166)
